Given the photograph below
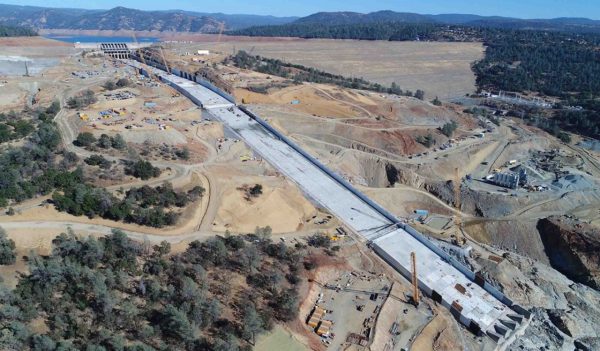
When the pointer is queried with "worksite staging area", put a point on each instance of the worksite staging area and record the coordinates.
(470, 303)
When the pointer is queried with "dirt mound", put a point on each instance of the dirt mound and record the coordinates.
(284, 209)
(512, 235)
(573, 182)
(312, 99)
(573, 248)
(476, 203)
(371, 171)
(414, 112)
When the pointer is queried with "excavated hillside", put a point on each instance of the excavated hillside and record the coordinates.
(573, 248)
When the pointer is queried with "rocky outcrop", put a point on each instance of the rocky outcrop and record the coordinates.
(573, 248)
(478, 203)
(403, 176)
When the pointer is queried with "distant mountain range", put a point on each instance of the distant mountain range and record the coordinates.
(344, 18)
(121, 18)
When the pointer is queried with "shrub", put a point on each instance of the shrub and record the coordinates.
(255, 191)
(319, 240)
(85, 139)
(105, 142)
(84, 99)
(123, 82)
(564, 137)
(118, 142)
(142, 169)
(183, 154)
(109, 85)
(449, 128)
(420, 94)
(98, 160)
(427, 141)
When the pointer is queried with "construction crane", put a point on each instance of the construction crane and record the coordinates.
(162, 54)
(459, 238)
(415, 282)
(221, 29)
(141, 54)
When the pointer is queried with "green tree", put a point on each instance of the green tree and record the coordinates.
(123, 82)
(319, 240)
(42, 343)
(105, 142)
(85, 139)
(7, 249)
(53, 109)
(263, 233)
(183, 153)
(449, 128)
(142, 169)
(420, 94)
(118, 142)
(427, 140)
(82, 100)
(564, 137)
(109, 85)
(175, 324)
(251, 323)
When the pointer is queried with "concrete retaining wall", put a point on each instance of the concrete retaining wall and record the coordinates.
(214, 89)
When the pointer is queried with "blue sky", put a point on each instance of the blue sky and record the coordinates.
(512, 8)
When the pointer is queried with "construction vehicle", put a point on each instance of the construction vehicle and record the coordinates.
(415, 283)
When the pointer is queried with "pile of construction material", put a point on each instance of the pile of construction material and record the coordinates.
(316, 321)
(120, 95)
(85, 74)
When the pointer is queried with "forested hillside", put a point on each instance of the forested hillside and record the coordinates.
(113, 293)
(12, 31)
(548, 62)
(121, 18)
(562, 65)
(394, 31)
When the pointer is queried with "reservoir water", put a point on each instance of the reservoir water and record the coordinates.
(100, 39)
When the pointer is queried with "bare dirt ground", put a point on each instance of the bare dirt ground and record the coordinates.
(440, 69)
(36, 42)
(216, 162)
(38, 53)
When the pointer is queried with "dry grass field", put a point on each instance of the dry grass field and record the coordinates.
(440, 69)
